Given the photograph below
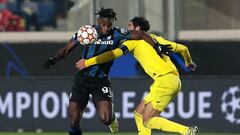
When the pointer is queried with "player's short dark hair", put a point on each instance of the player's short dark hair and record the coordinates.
(107, 13)
(141, 22)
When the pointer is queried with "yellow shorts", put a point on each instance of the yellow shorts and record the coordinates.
(163, 90)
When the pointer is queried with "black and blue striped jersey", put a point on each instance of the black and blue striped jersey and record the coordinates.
(103, 44)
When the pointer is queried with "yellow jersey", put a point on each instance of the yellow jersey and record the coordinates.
(145, 54)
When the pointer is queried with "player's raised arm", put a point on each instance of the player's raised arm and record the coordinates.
(138, 32)
(183, 50)
(102, 58)
(136, 35)
(60, 54)
(160, 49)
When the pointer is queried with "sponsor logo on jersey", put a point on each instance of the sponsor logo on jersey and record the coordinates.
(106, 42)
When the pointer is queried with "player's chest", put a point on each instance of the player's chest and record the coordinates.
(110, 41)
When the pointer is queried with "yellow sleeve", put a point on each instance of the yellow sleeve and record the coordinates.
(130, 44)
(126, 47)
(183, 50)
(163, 41)
(105, 57)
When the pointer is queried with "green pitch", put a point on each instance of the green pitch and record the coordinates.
(61, 133)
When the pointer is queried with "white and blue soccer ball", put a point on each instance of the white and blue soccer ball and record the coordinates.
(87, 34)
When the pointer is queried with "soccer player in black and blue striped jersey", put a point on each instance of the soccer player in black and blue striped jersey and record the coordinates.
(94, 80)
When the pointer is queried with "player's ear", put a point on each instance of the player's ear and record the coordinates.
(137, 28)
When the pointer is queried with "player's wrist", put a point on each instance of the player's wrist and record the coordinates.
(90, 62)
(87, 63)
(157, 47)
(52, 61)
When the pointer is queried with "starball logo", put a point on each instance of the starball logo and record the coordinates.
(11, 63)
(230, 106)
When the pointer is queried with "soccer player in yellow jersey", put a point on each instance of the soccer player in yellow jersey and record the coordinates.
(166, 83)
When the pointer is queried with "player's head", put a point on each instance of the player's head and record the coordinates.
(139, 23)
(105, 20)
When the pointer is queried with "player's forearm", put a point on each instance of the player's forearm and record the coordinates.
(61, 53)
(183, 50)
(64, 51)
(148, 38)
(136, 35)
(103, 58)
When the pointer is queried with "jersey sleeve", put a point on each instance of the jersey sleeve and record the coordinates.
(127, 46)
(183, 50)
(104, 57)
(163, 41)
(179, 48)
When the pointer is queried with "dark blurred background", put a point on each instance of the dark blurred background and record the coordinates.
(31, 31)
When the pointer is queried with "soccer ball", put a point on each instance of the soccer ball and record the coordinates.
(87, 34)
(231, 104)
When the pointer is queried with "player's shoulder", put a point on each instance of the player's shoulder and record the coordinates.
(155, 36)
(121, 30)
(158, 38)
(131, 42)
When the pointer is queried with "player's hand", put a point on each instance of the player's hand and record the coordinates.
(192, 66)
(81, 64)
(49, 63)
(162, 49)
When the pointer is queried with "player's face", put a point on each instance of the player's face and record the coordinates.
(131, 26)
(105, 25)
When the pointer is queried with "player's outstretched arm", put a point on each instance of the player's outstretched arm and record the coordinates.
(102, 58)
(160, 49)
(183, 50)
(60, 54)
(137, 35)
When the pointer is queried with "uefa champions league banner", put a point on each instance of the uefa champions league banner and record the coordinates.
(213, 104)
